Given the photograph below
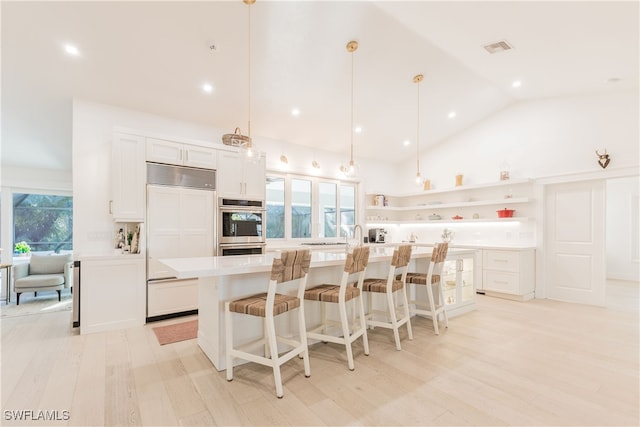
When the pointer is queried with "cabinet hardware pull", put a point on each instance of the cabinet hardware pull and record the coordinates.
(111, 207)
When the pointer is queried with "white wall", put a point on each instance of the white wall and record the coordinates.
(538, 138)
(623, 229)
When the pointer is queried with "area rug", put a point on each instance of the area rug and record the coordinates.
(45, 302)
(177, 332)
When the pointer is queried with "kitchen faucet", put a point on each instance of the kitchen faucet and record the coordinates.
(356, 228)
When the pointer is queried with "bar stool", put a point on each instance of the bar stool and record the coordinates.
(287, 267)
(391, 286)
(355, 264)
(434, 277)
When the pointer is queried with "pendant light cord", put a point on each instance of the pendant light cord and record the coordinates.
(249, 76)
(418, 134)
(352, 91)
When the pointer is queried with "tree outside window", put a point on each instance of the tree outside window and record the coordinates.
(44, 221)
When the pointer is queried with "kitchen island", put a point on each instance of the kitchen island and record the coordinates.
(226, 278)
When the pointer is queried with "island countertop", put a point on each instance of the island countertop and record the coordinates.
(245, 264)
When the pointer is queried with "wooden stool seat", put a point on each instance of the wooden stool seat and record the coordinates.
(331, 293)
(255, 305)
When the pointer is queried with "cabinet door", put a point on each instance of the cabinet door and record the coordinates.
(255, 178)
(164, 152)
(200, 157)
(112, 294)
(230, 174)
(128, 178)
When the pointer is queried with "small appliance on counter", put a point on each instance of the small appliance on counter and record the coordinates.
(377, 235)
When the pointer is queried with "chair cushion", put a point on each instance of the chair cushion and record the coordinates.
(330, 293)
(48, 264)
(421, 278)
(255, 305)
(380, 285)
(39, 281)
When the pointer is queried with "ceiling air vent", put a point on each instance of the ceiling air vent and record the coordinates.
(500, 46)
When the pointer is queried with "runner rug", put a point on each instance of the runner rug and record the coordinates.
(177, 332)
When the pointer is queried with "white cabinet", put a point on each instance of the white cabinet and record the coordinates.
(239, 175)
(509, 273)
(172, 296)
(112, 293)
(176, 153)
(128, 178)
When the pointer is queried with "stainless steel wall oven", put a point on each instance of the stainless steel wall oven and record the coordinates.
(241, 226)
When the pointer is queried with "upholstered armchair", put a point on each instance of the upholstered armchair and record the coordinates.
(43, 273)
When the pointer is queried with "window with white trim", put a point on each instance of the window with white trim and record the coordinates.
(305, 207)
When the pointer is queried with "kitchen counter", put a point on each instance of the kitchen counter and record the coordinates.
(222, 279)
(249, 264)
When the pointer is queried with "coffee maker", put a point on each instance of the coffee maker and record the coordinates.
(376, 235)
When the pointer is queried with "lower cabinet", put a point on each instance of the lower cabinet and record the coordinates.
(171, 296)
(509, 273)
(458, 280)
(112, 293)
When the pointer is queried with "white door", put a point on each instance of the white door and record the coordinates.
(575, 257)
(180, 224)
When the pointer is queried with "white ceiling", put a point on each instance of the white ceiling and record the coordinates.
(154, 56)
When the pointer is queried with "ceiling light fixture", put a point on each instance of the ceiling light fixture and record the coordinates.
(417, 79)
(295, 112)
(71, 50)
(516, 83)
(207, 88)
(406, 143)
(236, 138)
(351, 169)
(452, 114)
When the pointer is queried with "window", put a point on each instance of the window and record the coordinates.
(275, 207)
(45, 222)
(302, 207)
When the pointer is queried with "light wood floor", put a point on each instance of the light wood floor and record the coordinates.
(507, 363)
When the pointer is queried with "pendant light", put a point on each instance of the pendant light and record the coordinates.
(351, 169)
(236, 138)
(417, 79)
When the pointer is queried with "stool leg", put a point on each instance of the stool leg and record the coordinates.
(394, 320)
(229, 338)
(432, 308)
(303, 340)
(407, 316)
(363, 325)
(275, 361)
(345, 331)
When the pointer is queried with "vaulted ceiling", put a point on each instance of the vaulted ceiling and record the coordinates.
(155, 56)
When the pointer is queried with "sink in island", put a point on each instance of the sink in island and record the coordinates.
(225, 278)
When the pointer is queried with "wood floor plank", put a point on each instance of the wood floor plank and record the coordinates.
(537, 363)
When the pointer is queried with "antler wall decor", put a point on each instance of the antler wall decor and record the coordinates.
(603, 159)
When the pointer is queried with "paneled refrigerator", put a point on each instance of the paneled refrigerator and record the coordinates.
(180, 223)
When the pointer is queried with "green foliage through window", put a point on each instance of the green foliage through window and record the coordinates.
(45, 222)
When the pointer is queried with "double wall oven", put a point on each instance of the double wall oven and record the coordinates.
(241, 226)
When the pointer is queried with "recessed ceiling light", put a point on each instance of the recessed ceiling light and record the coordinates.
(71, 50)
(295, 112)
(451, 115)
(207, 88)
(406, 143)
(358, 129)
(516, 83)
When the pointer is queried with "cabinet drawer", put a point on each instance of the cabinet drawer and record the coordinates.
(172, 297)
(501, 282)
(501, 260)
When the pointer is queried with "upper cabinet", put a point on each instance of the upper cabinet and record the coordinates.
(128, 178)
(176, 153)
(239, 175)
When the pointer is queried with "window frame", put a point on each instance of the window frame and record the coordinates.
(315, 206)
